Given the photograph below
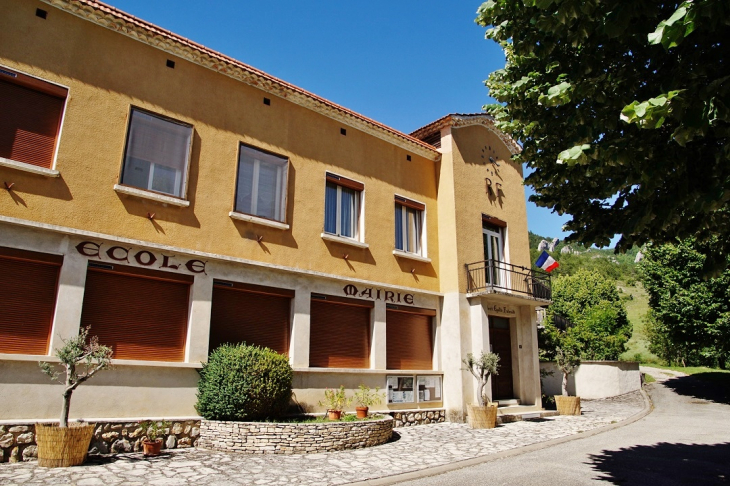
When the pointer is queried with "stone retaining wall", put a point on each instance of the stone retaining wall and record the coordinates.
(408, 418)
(293, 438)
(17, 442)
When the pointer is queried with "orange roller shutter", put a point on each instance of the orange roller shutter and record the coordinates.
(339, 335)
(409, 341)
(139, 316)
(29, 124)
(27, 304)
(254, 318)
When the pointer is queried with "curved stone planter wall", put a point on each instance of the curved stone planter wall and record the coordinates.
(293, 438)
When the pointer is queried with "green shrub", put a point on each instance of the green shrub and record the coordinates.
(244, 383)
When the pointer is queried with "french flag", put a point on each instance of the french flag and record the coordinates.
(546, 262)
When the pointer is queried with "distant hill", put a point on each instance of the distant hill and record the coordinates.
(617, 266)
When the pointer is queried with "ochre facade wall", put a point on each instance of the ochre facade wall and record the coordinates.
(108, 73)
(471, 148)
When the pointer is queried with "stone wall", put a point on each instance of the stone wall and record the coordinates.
(293, 438)
(408, 418)
(17, 442)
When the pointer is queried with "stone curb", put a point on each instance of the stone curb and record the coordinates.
(434, 471)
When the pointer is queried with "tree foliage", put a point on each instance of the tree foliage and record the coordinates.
(689, 320)
(593, 305)
(622, 110)
(82, 357)
(242, 382)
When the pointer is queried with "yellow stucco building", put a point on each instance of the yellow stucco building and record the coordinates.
(173, 199)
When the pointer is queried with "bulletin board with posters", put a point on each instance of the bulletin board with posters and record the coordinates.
(400, 389)
(429, 388)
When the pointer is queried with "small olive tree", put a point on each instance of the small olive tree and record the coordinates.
(567, 358)
(75, 353)
(482, 368)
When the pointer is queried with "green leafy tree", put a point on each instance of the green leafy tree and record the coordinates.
(592, 304)
(622, 110)
(81, 357)
(689, 320)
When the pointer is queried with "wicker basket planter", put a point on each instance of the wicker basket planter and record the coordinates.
(483, 417)
(567, 405)
(63, 447)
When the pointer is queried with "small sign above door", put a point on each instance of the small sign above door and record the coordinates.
(501, 310)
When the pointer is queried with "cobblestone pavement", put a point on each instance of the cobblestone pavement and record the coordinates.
(413, 449)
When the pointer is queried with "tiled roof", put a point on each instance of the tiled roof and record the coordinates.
(141, 30)
(463, 120)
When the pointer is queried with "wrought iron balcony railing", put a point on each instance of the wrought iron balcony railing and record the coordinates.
(493, 275)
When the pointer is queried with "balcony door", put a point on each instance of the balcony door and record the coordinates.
(493, 254)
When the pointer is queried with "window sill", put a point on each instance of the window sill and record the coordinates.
(33, 169)
(344, 240)
(255, 219)
(411, 256)
(152, 196)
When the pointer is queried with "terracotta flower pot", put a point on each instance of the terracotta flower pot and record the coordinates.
(567, 405)
(63, 447)
(152, 448)
(362, 412)
(334, 414)
(483, 417)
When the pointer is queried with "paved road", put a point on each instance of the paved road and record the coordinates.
(685, 440)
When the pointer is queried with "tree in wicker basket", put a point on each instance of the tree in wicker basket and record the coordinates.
(61, 445)
(567, 358)
(483, 415)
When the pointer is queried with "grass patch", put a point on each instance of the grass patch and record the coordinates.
(691, 370)
(637, 349)
(648, 378)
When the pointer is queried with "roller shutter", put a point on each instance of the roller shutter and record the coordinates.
(141, 315)
(29, 285)
(29, 122)
(339, 335)
(409, 341)
(258, 318)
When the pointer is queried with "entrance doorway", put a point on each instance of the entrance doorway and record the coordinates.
(499, 339)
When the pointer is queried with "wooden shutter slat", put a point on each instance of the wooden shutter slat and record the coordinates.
(240, 316)
(409, 341)
(27, 305)
(339, 336)
(29, 124)
(140, 318)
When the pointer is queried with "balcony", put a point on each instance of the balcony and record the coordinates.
(495, 277)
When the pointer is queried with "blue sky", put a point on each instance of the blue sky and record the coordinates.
(403, 63)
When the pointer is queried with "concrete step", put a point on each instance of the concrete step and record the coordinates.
(508, 402)
(526, 413)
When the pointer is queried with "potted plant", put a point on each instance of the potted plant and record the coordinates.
(335, 401)
(365, 398)
(152, 443)
(567, 358)
(483, 415)
(61, 445)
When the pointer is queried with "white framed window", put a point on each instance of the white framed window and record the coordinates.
(262, 182)
(157, 154)
(409, 225)
(342, 207)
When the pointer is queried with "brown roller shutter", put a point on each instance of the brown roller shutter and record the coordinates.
(239, 316)
(29, 124)
(142, 317)
(29, 284)
(409, 341)
(339, 335)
